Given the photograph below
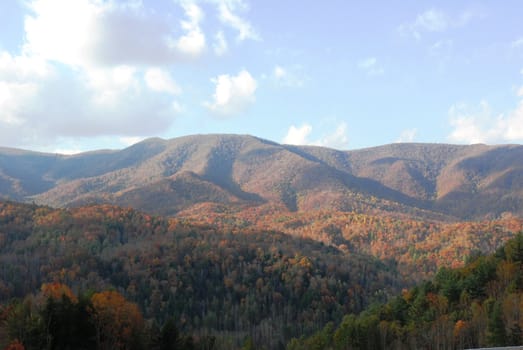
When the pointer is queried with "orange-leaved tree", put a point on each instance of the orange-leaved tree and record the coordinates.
(15, 345)
(118, 322)
(57, 290)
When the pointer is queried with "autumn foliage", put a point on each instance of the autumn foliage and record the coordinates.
(118, 322)
(478, 305)
(15, 345)
(110, 277)
(57, 291)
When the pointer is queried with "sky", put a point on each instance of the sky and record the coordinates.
(79, 75)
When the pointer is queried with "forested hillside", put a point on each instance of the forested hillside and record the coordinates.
(418, 247)
(236, 277)
(165, 177)
(478, 305)
(233, 285)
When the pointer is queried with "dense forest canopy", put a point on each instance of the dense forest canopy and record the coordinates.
(478, 305)
(263, 284)
(226, 277)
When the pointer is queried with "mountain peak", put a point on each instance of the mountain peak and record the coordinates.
(429, 180)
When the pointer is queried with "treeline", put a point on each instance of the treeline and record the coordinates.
(234, 285)
(242, 283)
(419, 247)
(56, 318)
(478, 305)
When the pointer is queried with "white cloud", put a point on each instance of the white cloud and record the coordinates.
(86, 33)
(233, 94)
(220, 45)
(371, 66)
(367, 63)
(70, 103)
(227, 16)
(407, 135)
(479, 125)
(298, 135)
(60, 30)
(434, 20)
(193, 42)
(109, 85)
(470, 127)
(441, 48)
(11, 93)
(92, 32)
(129, 141)
(160, 80)
(429, 21)
(517, 43)
(16, 68)
(67, 151)
(279, 72)
(90, 68)
(337, 139)
(19, 78)
(292, 76)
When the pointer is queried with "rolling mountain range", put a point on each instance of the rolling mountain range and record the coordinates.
(436, 181)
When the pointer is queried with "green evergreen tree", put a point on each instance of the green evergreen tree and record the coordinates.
(249, 344)
(497, 335)
(516, 335)
(170, 336)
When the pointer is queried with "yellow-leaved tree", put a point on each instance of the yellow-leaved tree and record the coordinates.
(118, 322)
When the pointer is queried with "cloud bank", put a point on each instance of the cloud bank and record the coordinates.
(434, 20)
(480, 125)
(300, 136)
(233, 94)
(93, 68)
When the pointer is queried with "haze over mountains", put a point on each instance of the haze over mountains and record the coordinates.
(451, 182)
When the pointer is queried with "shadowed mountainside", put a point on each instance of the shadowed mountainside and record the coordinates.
(435, 181)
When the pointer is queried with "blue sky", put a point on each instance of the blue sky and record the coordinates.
(78, 75)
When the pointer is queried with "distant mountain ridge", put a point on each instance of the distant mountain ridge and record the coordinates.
(436, 181)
